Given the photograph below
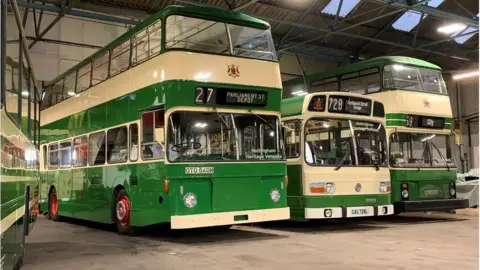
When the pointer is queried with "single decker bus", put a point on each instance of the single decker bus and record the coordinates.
(419, 125)
(336, 150)
(176, 121)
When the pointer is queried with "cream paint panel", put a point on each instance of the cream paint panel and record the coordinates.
(166, 67)
(345, 179)
(413, 103)
(227, 218)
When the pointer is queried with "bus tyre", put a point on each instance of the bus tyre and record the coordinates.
(19, 264)
(122, 213)
(53, 206)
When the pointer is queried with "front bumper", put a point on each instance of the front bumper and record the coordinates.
(348, 212)
(229, 218)
(431, 205)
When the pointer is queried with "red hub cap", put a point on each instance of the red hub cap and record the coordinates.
(123, 211)
(54, 203)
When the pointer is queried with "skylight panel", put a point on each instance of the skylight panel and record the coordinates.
(408, 21)
(463, 39)
(347, 7)
(435, 3)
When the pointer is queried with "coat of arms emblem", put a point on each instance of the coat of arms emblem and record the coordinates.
(426, 103)
(233, 71)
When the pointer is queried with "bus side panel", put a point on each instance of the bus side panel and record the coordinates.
(295, 192)
(150, 204)
(422, 185)
(63, 187)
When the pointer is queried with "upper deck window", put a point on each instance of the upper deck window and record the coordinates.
(412, 78)
(217, 37)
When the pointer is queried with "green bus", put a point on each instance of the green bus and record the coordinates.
(19, 140)
(336, 150)
(176, 121)
(418, 121)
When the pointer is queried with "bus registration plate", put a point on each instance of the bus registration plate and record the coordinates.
(199, 170)
(359, 211)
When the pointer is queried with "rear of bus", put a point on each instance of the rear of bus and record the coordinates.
(336, 156)
(419, 121)
(225, 162)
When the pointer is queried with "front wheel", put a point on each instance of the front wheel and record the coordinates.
(122, 213)
(53, 206)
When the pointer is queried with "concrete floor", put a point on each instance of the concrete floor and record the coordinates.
(420, 241)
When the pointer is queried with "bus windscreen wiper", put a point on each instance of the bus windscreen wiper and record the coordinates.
(441, 155)
(344, 157)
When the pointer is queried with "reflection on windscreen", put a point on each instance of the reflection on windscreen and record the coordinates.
(413, 78)
(331, 141)
(197, 136)
(210, 36)
(420, 150)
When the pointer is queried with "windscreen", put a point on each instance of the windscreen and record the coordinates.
(218, 37)
(420, 150)
(412, 78)
(332, 142)
(212, 136)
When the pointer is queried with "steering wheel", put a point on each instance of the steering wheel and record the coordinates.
(196, 145)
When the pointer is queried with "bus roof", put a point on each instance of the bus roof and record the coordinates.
(366, 64)
(200, 12)
(295, 105)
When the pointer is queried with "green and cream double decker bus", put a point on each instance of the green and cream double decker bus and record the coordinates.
(176, 121)
(336, 150)
(419, 125)
(19, 140)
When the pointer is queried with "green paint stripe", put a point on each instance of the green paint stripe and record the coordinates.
(391, 116)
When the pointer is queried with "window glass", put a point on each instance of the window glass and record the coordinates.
(65, 154)
(432, 81)
(293, 90)
(120, 58)
(100, 69)
(45, 157)
(83, 80)
(117, 148)
(12, 89)
(153, 135)
(80, 151)
(57, 92)
(412, 78)
(373, 82)
(208, 136)
(133, 142)
(353, 85)
(196, 35)
(96, 148)
(292, 139)
(146, 43)
(69, 87)
(252, 43)
(53, 155)
(371, 143)
(327, 85)
(419, 150)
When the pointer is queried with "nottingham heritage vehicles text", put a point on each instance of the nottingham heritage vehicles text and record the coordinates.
(177, 120)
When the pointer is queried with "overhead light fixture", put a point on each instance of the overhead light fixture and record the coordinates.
(428, 138)
(71, 93)
(299, 93)
(452, 28)
(466, 75)
(25, 93)
(200, 125)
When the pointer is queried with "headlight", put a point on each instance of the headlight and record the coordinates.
(405, 193)
(190, 200)
(452, 191)
(330, 188)
(385, 187)
(275, 195)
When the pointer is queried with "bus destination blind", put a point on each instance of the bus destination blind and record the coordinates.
(350, 105)
(234, 97)
(425, 122)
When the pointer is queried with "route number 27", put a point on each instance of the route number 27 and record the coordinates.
(203, 95)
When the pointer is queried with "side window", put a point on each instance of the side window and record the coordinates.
(371, 79)
(352, 83)
(83, 79)
(96, 148)
(12, 89)
(100, 69)
(146, 43)
(53, 156)
(120, 58)
(117, 148)
(65, 154)
(133, 142)
(153, 135)
(80, 151)
(69, 87)
(44, 156)
(326, 85)
(57, 92)
(291, 135)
